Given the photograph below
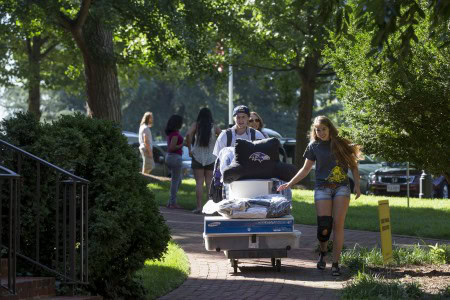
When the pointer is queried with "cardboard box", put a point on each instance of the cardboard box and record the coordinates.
(248, 188)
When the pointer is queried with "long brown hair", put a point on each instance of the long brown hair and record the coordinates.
(344, 150)
(146, 118)
(261, 123)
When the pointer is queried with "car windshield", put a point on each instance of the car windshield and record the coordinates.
(395, 164)
(369, 160)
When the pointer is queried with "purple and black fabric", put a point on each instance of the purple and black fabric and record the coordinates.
(258, 160)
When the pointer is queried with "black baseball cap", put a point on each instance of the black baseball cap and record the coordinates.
(241, 109)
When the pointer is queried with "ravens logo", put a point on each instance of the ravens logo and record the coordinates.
(259, 157)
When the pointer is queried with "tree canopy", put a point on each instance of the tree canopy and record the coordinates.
(399, 111)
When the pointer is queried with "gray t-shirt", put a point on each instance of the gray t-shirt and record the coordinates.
(327, 168)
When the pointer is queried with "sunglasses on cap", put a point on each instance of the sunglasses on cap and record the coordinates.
(251, 120)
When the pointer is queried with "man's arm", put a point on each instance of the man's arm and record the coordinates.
(220, 143)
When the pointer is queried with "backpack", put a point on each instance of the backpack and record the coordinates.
(216, 188)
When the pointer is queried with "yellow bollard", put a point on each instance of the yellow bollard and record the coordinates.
(385, 230)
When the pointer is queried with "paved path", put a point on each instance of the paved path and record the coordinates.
(212, 276)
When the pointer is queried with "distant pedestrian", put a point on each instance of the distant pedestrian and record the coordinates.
(255, 121)
(200, 139)
(174, 154)
(146, 143)
(333, 155)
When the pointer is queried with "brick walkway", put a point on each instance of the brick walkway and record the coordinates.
(212, 275)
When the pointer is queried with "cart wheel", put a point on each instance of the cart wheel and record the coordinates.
(278, 265)
(273, 261)
(234, 264)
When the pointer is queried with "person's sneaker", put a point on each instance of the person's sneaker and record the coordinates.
(197, 211)
(335, 270)
(321, 263)
(169, 206)
(176, 206)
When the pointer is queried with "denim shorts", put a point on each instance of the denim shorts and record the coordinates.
(326, 193)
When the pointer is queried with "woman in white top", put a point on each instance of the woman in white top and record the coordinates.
(145, 143)
(200, 139)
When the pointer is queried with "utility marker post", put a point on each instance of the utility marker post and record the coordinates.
(385, 230)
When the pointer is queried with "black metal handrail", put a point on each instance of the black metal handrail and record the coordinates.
(12, 179)
(44, 162)
(70, 261)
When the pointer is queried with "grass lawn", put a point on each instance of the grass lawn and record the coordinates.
(161, 277)
(425, 218)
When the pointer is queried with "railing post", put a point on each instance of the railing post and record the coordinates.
(19, 170)
(81, 231)
(16, 233)
(38, 207)
(72, 232)
(65, 232)
(87, 232)
(57, 222)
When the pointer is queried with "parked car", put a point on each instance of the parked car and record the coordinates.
(271, 133)
(391, 179)
(365, 167)
(159, 154)
(186, 170)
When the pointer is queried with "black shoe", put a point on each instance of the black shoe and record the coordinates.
(335, 270)
(321, 264)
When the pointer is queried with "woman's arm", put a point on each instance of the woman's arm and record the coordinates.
(189, 137)
(357, 189)
(299, 176)
(173, 144)
(147, 145)
(217, 130)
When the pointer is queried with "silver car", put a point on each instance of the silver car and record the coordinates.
(159, 155)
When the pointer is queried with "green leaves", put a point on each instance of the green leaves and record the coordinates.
(396, 103)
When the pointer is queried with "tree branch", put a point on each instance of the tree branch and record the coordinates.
(66, 22)
(83, 14)
(267, 68)
(326, 74)
(48, 50)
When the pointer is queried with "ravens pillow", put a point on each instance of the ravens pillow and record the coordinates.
(258, 160)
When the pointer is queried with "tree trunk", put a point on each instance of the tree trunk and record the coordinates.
(307, 76)
(102, 85)
(34, 76)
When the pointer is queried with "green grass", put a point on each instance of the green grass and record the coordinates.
(425, 218)
(359, 259)
(369, 281)
(161, 277)
(369, 286)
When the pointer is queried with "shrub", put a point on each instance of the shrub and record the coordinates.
(125, 226)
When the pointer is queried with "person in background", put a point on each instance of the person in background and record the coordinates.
(256, 122)
(240, 130)
(173, 158)
(333, 155)
(200, 139)
(146, 143)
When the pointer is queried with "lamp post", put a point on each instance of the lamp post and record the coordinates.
(230, 93)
